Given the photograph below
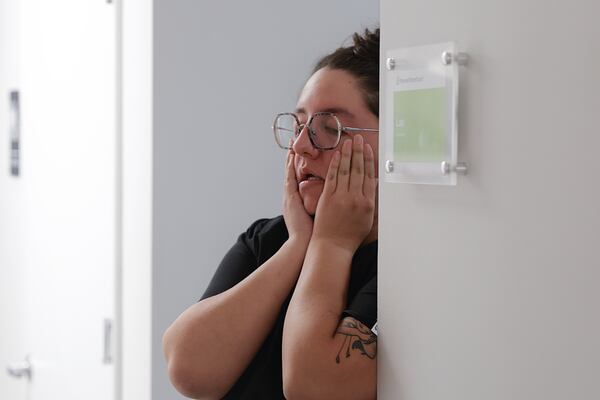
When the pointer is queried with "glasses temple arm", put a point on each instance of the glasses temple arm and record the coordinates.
(347, 128)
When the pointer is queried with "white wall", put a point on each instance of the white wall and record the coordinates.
(222, 71)
(489, 290)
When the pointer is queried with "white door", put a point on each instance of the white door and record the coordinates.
(11, 213)
(66, 252)
(491, 289)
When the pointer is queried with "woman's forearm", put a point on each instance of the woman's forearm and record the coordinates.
(321, 293)
(314, 333)
(211, 343)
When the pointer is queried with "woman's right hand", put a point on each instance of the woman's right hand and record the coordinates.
(299, 223)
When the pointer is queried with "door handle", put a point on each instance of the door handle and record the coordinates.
(20, 369)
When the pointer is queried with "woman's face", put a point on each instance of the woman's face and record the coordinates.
(335, 91)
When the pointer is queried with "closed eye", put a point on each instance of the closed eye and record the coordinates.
(331, 130)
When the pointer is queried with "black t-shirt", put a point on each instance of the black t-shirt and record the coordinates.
(262, 380)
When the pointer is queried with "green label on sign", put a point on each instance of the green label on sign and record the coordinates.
(419, 117)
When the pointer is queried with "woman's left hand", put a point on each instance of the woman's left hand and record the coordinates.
(345, 212)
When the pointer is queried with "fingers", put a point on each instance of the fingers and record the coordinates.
(343, 178)
(370, 185)
(332, 174)
(357, 176)
(291, 184)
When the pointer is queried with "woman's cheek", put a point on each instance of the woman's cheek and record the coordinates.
(310, 197)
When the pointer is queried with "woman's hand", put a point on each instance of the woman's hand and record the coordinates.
(299, 224)
(346, 209)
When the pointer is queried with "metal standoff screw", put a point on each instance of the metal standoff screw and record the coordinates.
(390, 63)
(460, 168)
(461, 58)
(389, 166)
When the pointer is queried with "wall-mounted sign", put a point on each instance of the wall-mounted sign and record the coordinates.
(421, 95)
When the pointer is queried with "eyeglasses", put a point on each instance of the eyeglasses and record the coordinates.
(324, 130)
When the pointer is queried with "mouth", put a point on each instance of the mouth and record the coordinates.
(312, 178)
(306, 176)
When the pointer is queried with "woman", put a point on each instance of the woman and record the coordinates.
(290, 309)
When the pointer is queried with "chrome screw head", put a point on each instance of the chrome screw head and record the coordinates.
(390, 64)
(447, 58)
(389, 166)
(445, 167)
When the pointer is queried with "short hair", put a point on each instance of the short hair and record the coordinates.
(361, 60)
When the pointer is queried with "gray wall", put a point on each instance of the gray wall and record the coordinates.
(489, 290)
(222, 70)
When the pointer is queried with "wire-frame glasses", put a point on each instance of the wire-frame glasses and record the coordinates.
(324, 130)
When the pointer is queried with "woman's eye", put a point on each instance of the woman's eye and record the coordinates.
(331, 130)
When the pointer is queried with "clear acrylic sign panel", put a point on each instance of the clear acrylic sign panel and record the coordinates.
(421, 94)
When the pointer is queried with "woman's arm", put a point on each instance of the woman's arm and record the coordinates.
(211, 343)
(325, 356)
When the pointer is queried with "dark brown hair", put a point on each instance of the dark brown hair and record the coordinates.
(361, 60)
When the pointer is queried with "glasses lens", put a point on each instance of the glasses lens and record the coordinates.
(285, 129)
(325, 130)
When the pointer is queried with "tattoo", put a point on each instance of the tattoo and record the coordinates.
(358, 337)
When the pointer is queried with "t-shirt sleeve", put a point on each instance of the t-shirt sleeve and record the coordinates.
(364, 305)
(239, 262)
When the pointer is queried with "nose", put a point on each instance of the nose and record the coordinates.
(303, 146)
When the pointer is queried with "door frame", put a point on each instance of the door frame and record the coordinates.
(135, 124)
